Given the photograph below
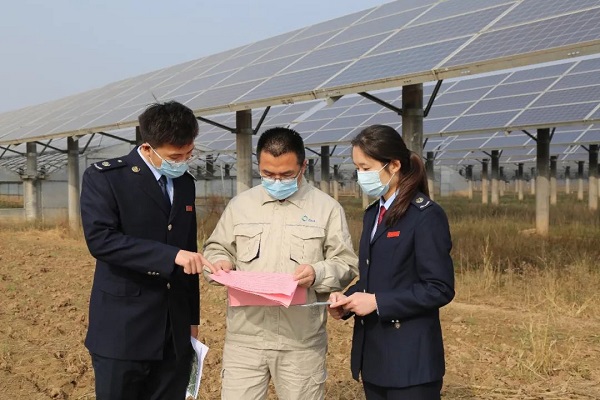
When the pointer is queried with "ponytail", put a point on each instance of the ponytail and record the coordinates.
(413, 180)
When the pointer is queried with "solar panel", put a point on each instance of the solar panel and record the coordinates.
(450, 8)
(329, 135)
(539, 73)
(402, 42)
(386, 118)
(435, 126)
(461, 96)
(502, 103)
(362, 109)
(294, 82)
(555, 114)
(460, 144)
(376, 26)
(221, 95)
(514, 89)
(587, 65)
(576, 95)
(583, 79)
(529, 10)
(333, 54)
(403, 62)
(332, 25)
(440, 30)
(259, 70)
(590, 137)
(481, 121)
(536, 36)
(475, 83)
(502, 142)
(452, 110)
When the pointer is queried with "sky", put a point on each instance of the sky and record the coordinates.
(52, 49)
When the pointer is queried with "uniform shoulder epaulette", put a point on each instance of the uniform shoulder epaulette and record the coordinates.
(109, 164)
(190, 174)
(421, 202)
(372, 204)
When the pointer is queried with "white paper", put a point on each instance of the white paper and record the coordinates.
(200, 350)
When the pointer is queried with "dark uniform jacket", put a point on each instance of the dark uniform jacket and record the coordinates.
(134, 237)
(408, 268)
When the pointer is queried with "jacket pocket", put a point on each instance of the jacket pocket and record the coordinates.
(119, 289)
(306, 245)
(247, 241)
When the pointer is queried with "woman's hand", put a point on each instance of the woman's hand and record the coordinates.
(359, 303)
(336, 312)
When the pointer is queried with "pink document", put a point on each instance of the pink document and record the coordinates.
(248, 288)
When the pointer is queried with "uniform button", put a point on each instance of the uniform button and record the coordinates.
(367, 261)
(362, 322)
(149, 272)
(168, 285)
(170, 227)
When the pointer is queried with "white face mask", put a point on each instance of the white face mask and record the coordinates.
(371, 184)
(170, 169)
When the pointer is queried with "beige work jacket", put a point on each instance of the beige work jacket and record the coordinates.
(258, 233)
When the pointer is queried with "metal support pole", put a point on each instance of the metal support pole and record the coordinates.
(412, 117)
(495, 173)
(502, 181)
(521, 182)
(30, 185)
(470, 181)
(580, 166)
(73, 182)
(311, 171)
(336, 183)
(542, 195)
(430, 174)
(592, 177)
(243, 143)
(553, 180)
(568, 180)
(325, 169)
(532, 182)
(484, 181)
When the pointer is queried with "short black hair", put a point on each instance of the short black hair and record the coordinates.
(168, 123)
(278, 141)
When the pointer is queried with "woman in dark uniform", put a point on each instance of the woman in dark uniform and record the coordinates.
(406, 274)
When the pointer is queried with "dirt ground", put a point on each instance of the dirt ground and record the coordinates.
(493, 352)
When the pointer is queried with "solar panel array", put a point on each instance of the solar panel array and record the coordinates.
(405, 41)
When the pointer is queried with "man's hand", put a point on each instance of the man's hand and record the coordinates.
(359, 303)
(305, 275)
(336, 312)
(194, 331)
(191, 262)
(222, 265)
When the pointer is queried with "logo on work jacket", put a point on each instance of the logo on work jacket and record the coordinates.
(189, 208)
(306, 219)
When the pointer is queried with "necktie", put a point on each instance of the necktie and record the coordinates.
(382, 211)
(162, 182)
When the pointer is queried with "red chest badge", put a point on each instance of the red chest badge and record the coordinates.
(393, 234)
(189, 208)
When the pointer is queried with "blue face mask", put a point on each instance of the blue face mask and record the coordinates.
(371, 184)
(170, 169)
(280, 189)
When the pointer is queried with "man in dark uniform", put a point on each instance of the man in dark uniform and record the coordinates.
(139, 220)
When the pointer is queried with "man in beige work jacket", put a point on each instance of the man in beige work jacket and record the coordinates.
(284, 225)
